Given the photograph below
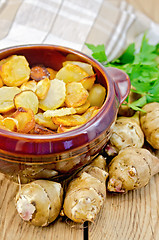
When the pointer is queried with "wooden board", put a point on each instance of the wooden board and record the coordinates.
(13, 228)
(133, 216)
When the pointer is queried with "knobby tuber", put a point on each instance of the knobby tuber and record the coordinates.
(131, 169)
(125, 133)
(39, 202)
(86, 193)
(150, 123)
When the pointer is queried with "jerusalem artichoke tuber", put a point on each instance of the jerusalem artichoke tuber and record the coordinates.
(86, 194)
(132, 168)
(125, 133)
(39, 202)
(150, 123)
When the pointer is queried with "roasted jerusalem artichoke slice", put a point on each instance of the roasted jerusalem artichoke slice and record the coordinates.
(30, 85)
(70, 120)
(42, 88)
(59, 112)
(55, 96)
(6, 98)
(89, 113)
(62, 128)
(10, 123)
(76, 94)
(1, 82)
(45, 122)
(97, 95)
(71, 73)
(39, 72)
(14, 70)
(83, 108)
(38, 129)
(88, 82)
(26, 99)
(52, 73)
(85, 66)
(25, 118)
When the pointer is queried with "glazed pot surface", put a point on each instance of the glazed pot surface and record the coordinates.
(85, 141)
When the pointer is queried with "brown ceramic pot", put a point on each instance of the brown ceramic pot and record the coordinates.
(49, 156)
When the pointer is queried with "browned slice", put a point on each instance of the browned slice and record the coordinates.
(39, 72)
(41, 130)
(14, 71)
(59, 112)
(25, 118)
(10, 123)
(62, 129)
(6, 98)
(85, 66)
(97, 95)
(52, 73)
(45, 122)
(42, 88)
(30, 85)
(95, 112)
(81, 109)
(76, 94)
(55, 96)
(88, 82)
(1, 82)
(90, 113)
(71, 73)
(70, 121)
(26, 99)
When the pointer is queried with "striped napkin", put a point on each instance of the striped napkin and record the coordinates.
(72, 23)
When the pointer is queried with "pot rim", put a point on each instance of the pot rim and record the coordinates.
(110, 97)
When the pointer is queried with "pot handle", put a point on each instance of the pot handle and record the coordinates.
(121, 83)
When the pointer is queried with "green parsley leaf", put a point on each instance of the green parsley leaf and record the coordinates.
(128, 55)
(157, 49)
(98, 52)
(142, 66)
(136, 105)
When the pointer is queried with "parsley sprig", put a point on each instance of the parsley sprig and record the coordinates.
(142, 66)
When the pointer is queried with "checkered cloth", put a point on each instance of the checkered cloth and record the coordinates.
(72, 23)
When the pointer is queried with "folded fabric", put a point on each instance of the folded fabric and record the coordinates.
(72, 23)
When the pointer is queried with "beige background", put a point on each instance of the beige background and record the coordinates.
(148, 7)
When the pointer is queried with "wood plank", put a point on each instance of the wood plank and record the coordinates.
(132, 216)
(12, 227)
